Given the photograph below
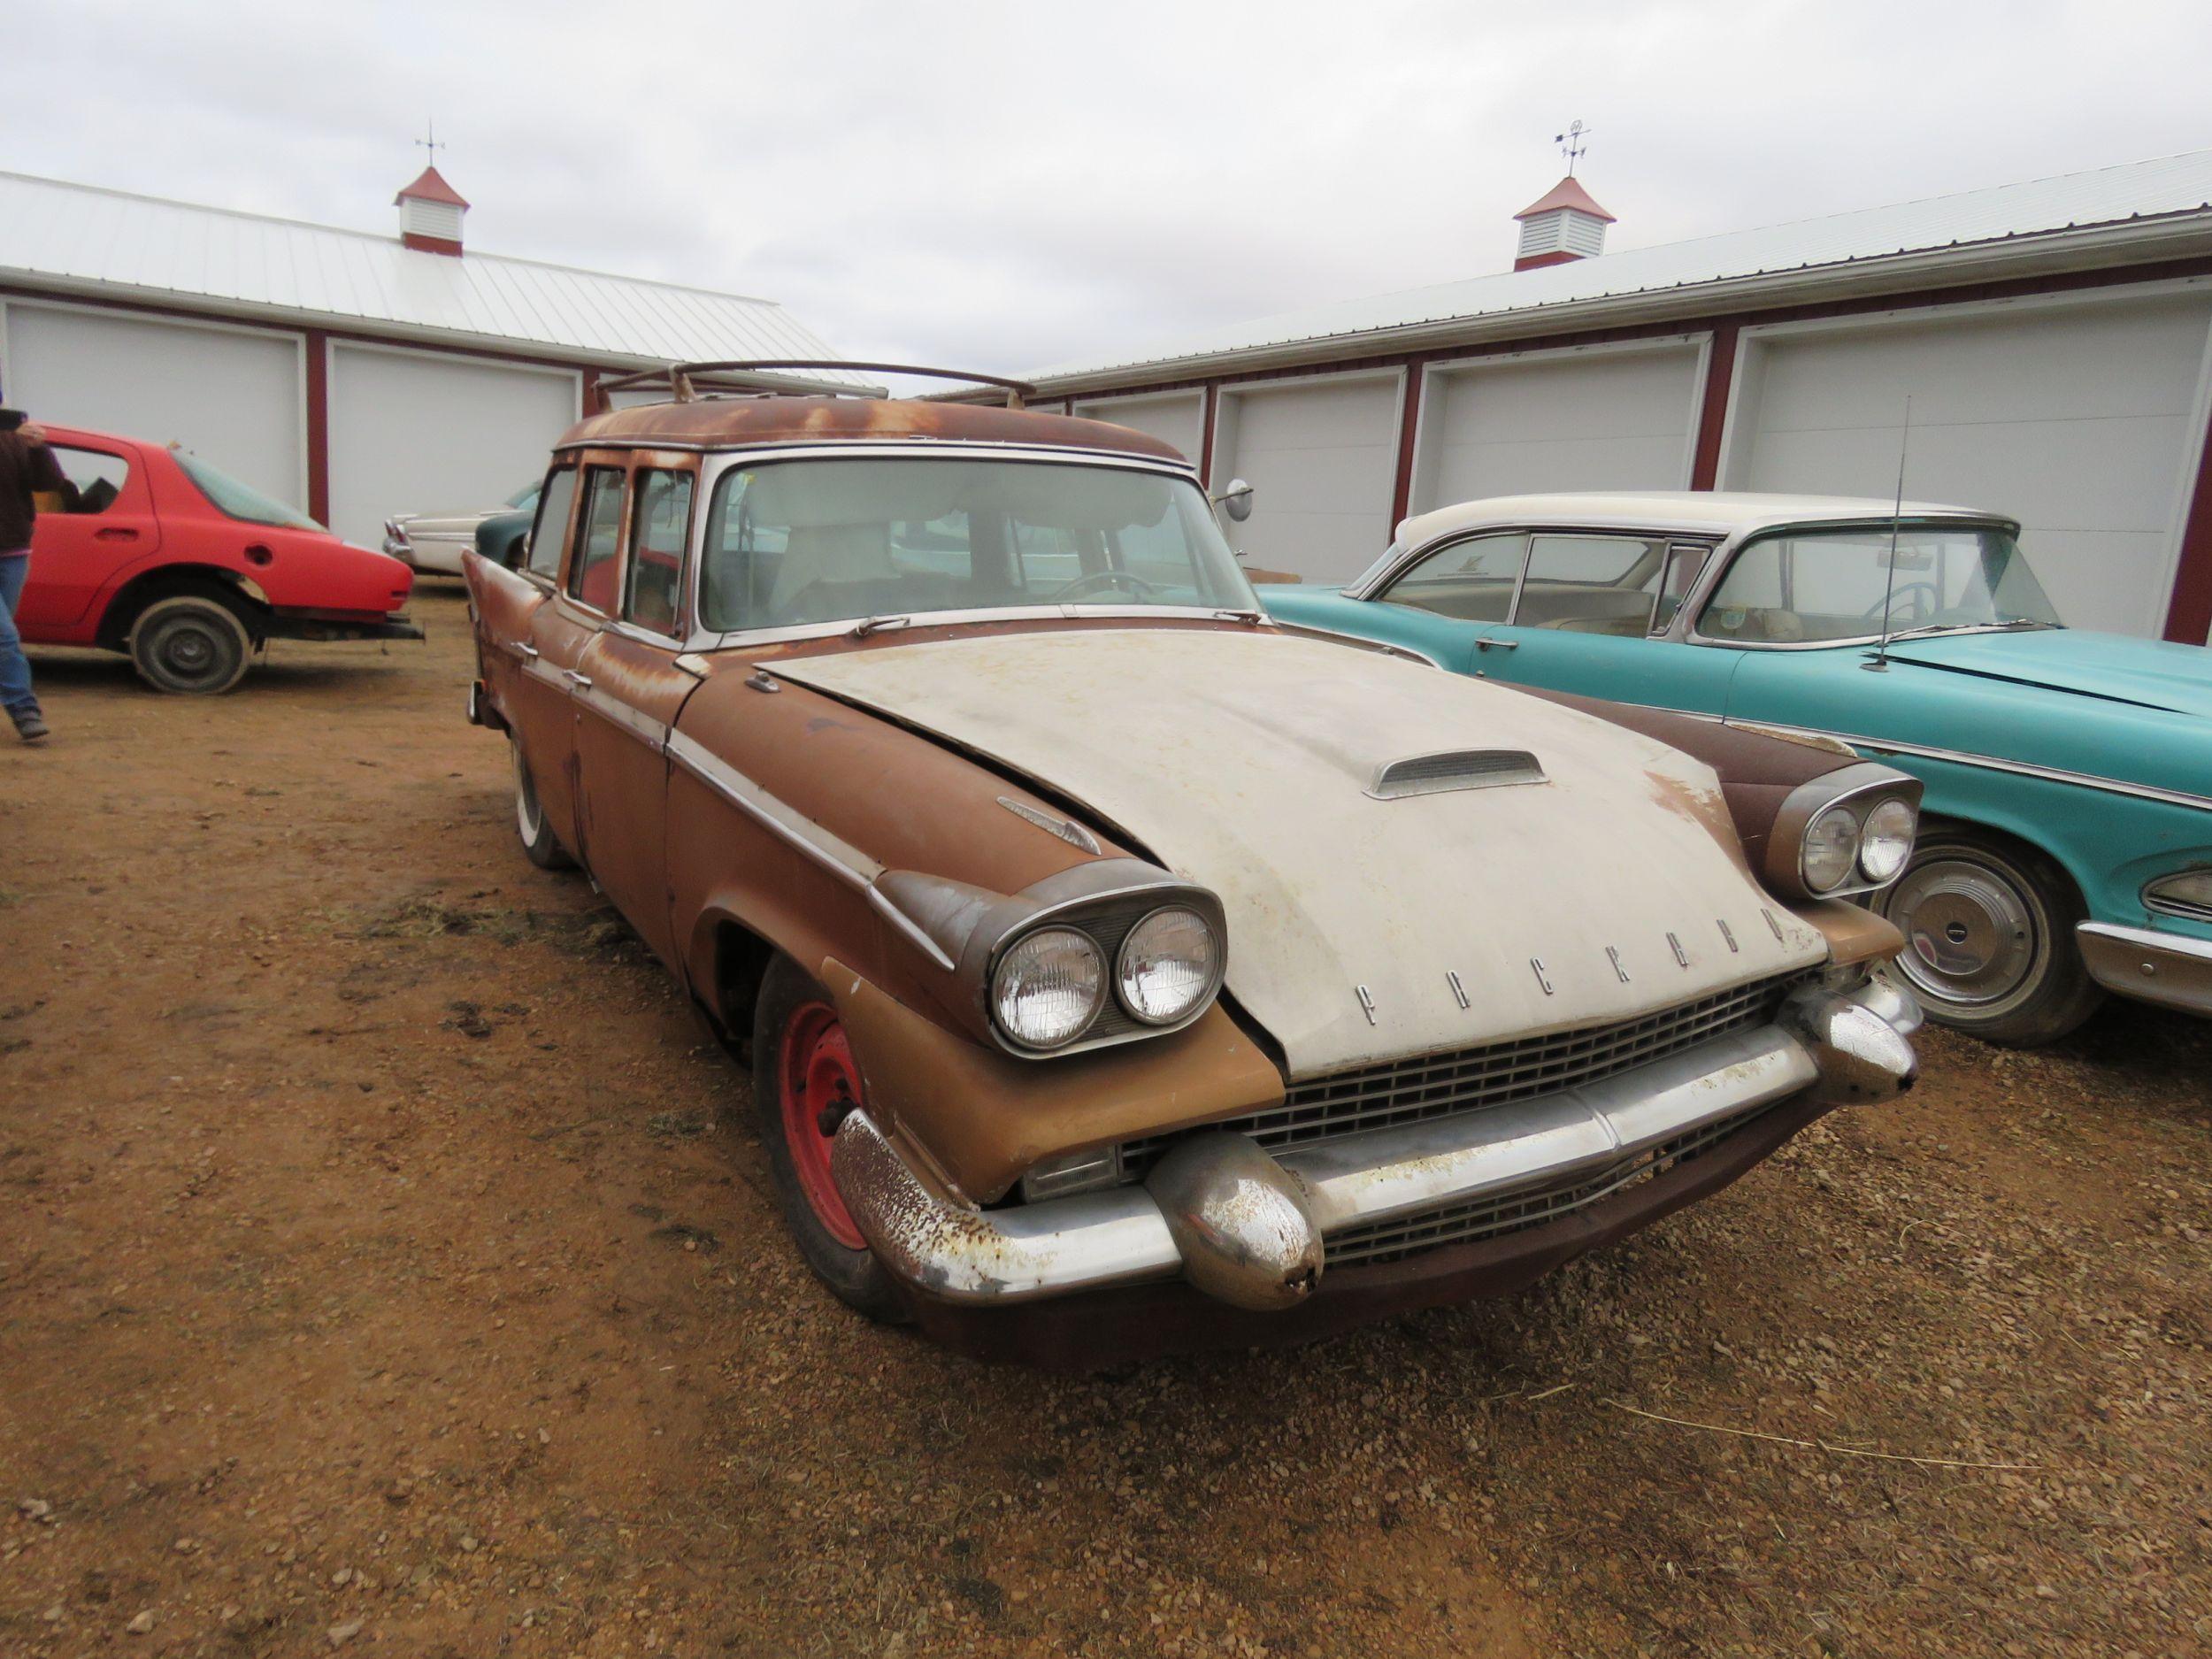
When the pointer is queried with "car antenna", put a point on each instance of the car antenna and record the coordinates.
(1880, 664)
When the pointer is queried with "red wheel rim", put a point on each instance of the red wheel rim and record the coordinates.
(817, 1075)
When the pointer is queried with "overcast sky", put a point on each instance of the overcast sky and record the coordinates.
(1009, 186)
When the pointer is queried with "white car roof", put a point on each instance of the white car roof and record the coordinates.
(1688, 511)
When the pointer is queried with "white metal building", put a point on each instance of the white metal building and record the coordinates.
(2054, 337)
(357, 375)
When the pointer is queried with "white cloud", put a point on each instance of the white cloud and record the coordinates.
(1006, 185)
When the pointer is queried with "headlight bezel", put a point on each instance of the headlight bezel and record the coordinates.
(1854, 791)
(1106, 900)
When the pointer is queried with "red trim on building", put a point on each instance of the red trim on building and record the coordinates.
(1206, 434)
(429, 244)
(317, 355)
(1409, 429)
(1712, 419)
(2189, 611)
(1557, 255)
(587, 393)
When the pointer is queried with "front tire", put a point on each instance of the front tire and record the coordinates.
(190, 645)
(539, 845)
(804, 1076)
(1989, 938)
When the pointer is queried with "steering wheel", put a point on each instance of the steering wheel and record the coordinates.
(1084, 584)
(1916, 600)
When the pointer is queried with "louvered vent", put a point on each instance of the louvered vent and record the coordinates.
(1458, 769)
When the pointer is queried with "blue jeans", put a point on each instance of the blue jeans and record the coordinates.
(15, 671)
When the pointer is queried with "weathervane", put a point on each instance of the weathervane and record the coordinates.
(1571, 145)
(433, 145)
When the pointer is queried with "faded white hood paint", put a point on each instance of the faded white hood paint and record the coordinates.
(1241, 761)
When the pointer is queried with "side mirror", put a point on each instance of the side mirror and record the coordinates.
(1236, 501)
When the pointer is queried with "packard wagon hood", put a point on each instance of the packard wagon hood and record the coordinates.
(1364, 923)
(2152, 672)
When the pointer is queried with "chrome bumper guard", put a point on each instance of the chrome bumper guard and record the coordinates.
(1251, 1229)
(2171, 970)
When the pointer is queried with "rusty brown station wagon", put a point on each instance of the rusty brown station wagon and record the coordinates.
(1121, 970)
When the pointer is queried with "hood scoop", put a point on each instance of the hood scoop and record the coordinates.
(1454, 769)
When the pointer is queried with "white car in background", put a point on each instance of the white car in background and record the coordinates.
(431, 544)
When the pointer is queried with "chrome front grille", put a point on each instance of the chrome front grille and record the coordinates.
(1469, 1080)
(1393, 1241)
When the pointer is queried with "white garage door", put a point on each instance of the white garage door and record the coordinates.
(235, 397)
(418, 432)
(1592, 420)
(2081, 419)
(1176, 418)
(1322, 461)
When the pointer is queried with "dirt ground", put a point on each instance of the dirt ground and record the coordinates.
(371, 1275)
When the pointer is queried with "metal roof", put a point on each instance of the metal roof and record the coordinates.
(79, 238)
(2143, 210)
(1694, 512)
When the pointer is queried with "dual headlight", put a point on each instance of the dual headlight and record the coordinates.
(1847, 832)
(1054, 984)
(1845, 840)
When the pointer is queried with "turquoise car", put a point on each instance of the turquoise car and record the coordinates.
(2066, 842)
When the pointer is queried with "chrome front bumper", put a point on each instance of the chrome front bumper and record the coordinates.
(2171, 970)
(1252, 1229)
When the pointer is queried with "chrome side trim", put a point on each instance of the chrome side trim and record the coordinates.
(1389, 646)
(2169, 969)
(839, 857)
(898, 919)
(2026, 769)
(616, 712)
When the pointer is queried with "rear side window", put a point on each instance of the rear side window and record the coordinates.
(95, 478)
(659, 526)
(598, 540)
(551, 529)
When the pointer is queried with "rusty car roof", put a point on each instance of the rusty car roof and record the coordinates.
(739, 422)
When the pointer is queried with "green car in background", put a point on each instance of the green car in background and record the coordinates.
(2066, 840)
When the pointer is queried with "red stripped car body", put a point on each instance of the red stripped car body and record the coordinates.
(137, 526)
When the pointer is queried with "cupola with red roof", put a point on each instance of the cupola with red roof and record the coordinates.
(1564, 223)
(430, 213)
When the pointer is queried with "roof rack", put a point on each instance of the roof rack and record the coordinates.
(682, 379)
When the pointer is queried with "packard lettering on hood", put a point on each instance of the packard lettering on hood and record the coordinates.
(1090, 933)
(1243, 762)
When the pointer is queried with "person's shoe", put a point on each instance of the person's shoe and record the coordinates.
(30, 724)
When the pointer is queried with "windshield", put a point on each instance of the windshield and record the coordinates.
(240, 501)
(527, 495)
(834, 540)
(1813, 586)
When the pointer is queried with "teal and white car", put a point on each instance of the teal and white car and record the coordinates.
(2066, 845)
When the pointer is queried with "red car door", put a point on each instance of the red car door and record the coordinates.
(104, 521)
(628, 696)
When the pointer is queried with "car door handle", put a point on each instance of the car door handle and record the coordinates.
(581, 679)
(1497, 645)
(527, 649)
(115, 532)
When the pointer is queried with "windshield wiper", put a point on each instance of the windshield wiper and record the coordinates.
(2017, 626)
(866, 626)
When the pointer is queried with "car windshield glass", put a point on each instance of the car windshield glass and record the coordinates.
(834, 540)
(1811, 587)
(240, 501)
(527, 495)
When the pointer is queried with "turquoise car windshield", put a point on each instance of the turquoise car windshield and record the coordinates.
(1813, 586)
(793, 543)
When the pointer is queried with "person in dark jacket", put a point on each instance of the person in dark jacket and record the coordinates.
(27, 466)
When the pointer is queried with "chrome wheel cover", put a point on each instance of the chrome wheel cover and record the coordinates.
(1974, 937)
